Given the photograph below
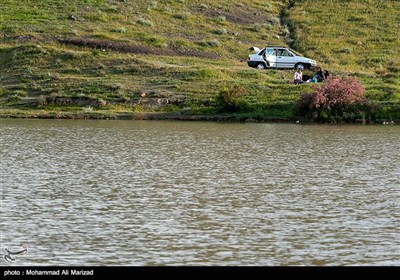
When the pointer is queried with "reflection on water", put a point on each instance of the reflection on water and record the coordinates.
(178, 193)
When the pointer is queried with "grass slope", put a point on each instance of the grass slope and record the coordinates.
(150, 56)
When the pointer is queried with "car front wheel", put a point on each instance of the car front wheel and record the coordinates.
(260, 66)
(300, 65)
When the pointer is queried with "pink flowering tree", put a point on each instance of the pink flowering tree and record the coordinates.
(337, 99)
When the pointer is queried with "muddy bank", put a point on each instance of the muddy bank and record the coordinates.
(137, 49)
(104, 115)
(176, 116)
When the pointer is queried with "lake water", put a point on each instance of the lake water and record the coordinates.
(198, 193)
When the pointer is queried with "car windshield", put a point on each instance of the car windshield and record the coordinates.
(295, 52)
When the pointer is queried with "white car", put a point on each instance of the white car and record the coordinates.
(278, 57)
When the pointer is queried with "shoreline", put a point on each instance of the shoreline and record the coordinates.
(172, 116)
(104, 115)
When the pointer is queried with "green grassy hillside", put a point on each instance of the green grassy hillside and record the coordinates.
(97, 56)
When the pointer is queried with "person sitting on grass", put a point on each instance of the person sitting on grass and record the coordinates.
(318, 76)
(298, 76)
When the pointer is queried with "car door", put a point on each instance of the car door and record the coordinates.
(285, 59)
(270, 56)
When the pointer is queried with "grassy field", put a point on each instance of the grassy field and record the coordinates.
(130, 56)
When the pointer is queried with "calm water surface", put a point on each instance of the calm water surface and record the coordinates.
(193, 193)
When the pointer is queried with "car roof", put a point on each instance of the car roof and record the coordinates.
(288, 48)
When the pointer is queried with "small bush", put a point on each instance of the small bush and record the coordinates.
(276, 20)
(201, 74)
(220, 18)
(221, 31)
(156, 42)
(229, 99)
(14, 99)
(95, 52)
(88, 109)
(145, 22)
(181, 43)
(256, 27)
(152, 5)
(121, 30)
(344, 50)
(42, 100)
(182, 16)
(20, 93)
(394, 65)
(203, 6)
(337, 99)
(3, 92)
(213, 43)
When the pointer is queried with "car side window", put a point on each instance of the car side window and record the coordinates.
(270, 51)
(286, 53)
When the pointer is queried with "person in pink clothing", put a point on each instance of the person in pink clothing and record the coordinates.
(298, 76)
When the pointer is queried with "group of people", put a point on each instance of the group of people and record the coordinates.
(318, 76)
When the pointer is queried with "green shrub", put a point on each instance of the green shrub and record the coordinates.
(183, 16)
(220, 18)
(212, 43)
(20, 93)
(229, 98)
(14, 98)
(144, 22)
(221, 31)
(42, 100)
(3, 92)
(121, 30)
